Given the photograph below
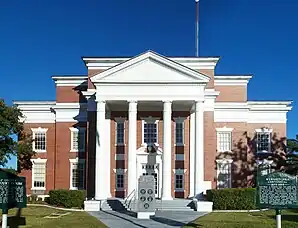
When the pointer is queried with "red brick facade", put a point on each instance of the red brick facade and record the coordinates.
(58, 142)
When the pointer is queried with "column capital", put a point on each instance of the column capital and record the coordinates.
(132, 101)
(101, 106)
(132, 106)
(167, 101)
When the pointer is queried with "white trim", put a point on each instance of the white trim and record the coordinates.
(224, 161)
(150, 119)
(179, 120)
(38, 161)
(119, 120)
(39, 130)
(227, 131)
(152, 56)
(179, 172)
(191, 62)
(224, 129)
(264, 130)
(120, 172)
(72, 162)
(78, 130)
(240, 80)
(70, 80)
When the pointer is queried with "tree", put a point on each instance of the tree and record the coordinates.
(10, 126)
(292, 156)
(292, 145)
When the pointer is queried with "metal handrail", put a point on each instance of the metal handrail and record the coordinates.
(129, 198)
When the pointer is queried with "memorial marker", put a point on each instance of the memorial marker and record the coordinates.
(277, 191)
(12, 193)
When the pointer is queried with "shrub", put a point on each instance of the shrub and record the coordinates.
(232, 198)
(67, 198)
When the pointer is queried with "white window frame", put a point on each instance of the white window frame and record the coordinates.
(180, 120)
(179, 157)
(149, 120)
(224, 130)
(39, 161)
(119, 120)
(179, 172)
(78, 130)
(73, 162)
(121, 172)
(39, 130)
(264, 130)
(265, 162)
(224, 161)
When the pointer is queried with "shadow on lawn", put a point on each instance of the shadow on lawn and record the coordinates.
(16, 221)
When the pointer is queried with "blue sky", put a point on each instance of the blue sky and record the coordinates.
(42, 38)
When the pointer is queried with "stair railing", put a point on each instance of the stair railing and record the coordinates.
(129, 198)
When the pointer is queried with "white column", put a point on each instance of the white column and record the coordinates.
(101, 173)
(199, 148)
(132, 146)
(192, 155)
(107, 146)
(167, 149)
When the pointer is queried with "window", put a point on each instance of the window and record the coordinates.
(179, 180)
(224, 179)
(120, 175)
(224, 139)
(39, 174)
(179, 131)
(265, 167)
(179, 157)
(77, 174)
(77, 139)
(120, 181)
(120, 129)
(150, 131)
(39, 139)
(263, 140)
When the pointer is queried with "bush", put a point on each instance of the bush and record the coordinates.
(67, 198)
(232, 198)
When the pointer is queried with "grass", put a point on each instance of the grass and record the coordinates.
(35, 217)
(264, 219)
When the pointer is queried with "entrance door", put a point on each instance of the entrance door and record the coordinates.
(152, 170)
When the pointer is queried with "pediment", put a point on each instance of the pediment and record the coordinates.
(143, 150)
(150, 68)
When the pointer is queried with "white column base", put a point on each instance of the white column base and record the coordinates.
(167, 198)
(92, 205)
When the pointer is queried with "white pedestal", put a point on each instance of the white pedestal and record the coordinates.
(92, 205)
(144, 215)
(204, 206)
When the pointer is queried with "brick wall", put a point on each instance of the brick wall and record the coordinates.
(231, 93)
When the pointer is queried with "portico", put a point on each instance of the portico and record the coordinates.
(146, 83)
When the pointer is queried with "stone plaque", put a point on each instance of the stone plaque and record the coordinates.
(146, 194)
(277, 190)
(12, 191)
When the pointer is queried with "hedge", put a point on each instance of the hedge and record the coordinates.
(67, 198)
(232, 198)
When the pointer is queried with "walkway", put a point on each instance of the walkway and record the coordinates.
(162, 219)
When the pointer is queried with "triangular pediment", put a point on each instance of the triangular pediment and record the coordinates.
(150, 68)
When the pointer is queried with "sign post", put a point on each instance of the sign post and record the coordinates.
(12, 193)
(277, 191)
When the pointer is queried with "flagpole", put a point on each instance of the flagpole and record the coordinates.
(197, 28)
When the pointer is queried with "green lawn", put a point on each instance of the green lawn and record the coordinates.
(35, 217)
(264, 219)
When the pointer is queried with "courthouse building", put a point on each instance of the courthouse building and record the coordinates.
(170, 117)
